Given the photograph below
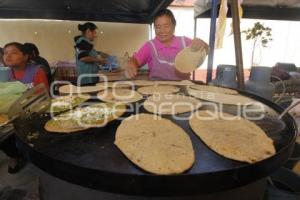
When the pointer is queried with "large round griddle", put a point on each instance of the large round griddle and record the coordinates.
(90, 159)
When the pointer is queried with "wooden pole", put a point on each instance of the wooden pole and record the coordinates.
(237, 44)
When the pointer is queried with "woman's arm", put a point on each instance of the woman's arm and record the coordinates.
(84, 47)
(137, 60)
(90, 59)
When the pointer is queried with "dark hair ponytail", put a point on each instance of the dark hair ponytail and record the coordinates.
(88, 25)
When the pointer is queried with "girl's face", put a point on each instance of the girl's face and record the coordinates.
(164, 28)
(91, 35)
(13, 57)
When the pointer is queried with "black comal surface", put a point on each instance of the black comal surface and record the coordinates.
(90, 158)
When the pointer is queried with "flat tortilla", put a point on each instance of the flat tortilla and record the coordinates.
(144, 82)
(237, 139)
(156, 145)
(188, 60)
(183, 82)
(117, 84)
(171, 104)
(158, 89)
(152, 82)
(63, 126)
(221, 98)
(213, 89)
(119, 96)
(64, 103)
(3, 119)
(96, 115)
(72, 89)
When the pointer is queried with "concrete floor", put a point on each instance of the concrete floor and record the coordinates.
(22, 185)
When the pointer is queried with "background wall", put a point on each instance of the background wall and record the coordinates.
(55, 38)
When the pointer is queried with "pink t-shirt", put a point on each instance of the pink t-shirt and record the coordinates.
(143, 55)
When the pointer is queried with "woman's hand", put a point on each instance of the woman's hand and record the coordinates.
(198, 44)
(131, 68)
(101, 60)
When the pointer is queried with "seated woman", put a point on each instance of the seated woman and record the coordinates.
(160, 53)
(17, 58)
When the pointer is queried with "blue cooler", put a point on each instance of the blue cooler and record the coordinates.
(111, 63)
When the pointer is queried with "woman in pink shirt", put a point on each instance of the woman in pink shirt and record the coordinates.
(160, 53)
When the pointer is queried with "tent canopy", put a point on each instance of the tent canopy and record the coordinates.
(130, 11)
(258, 9)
